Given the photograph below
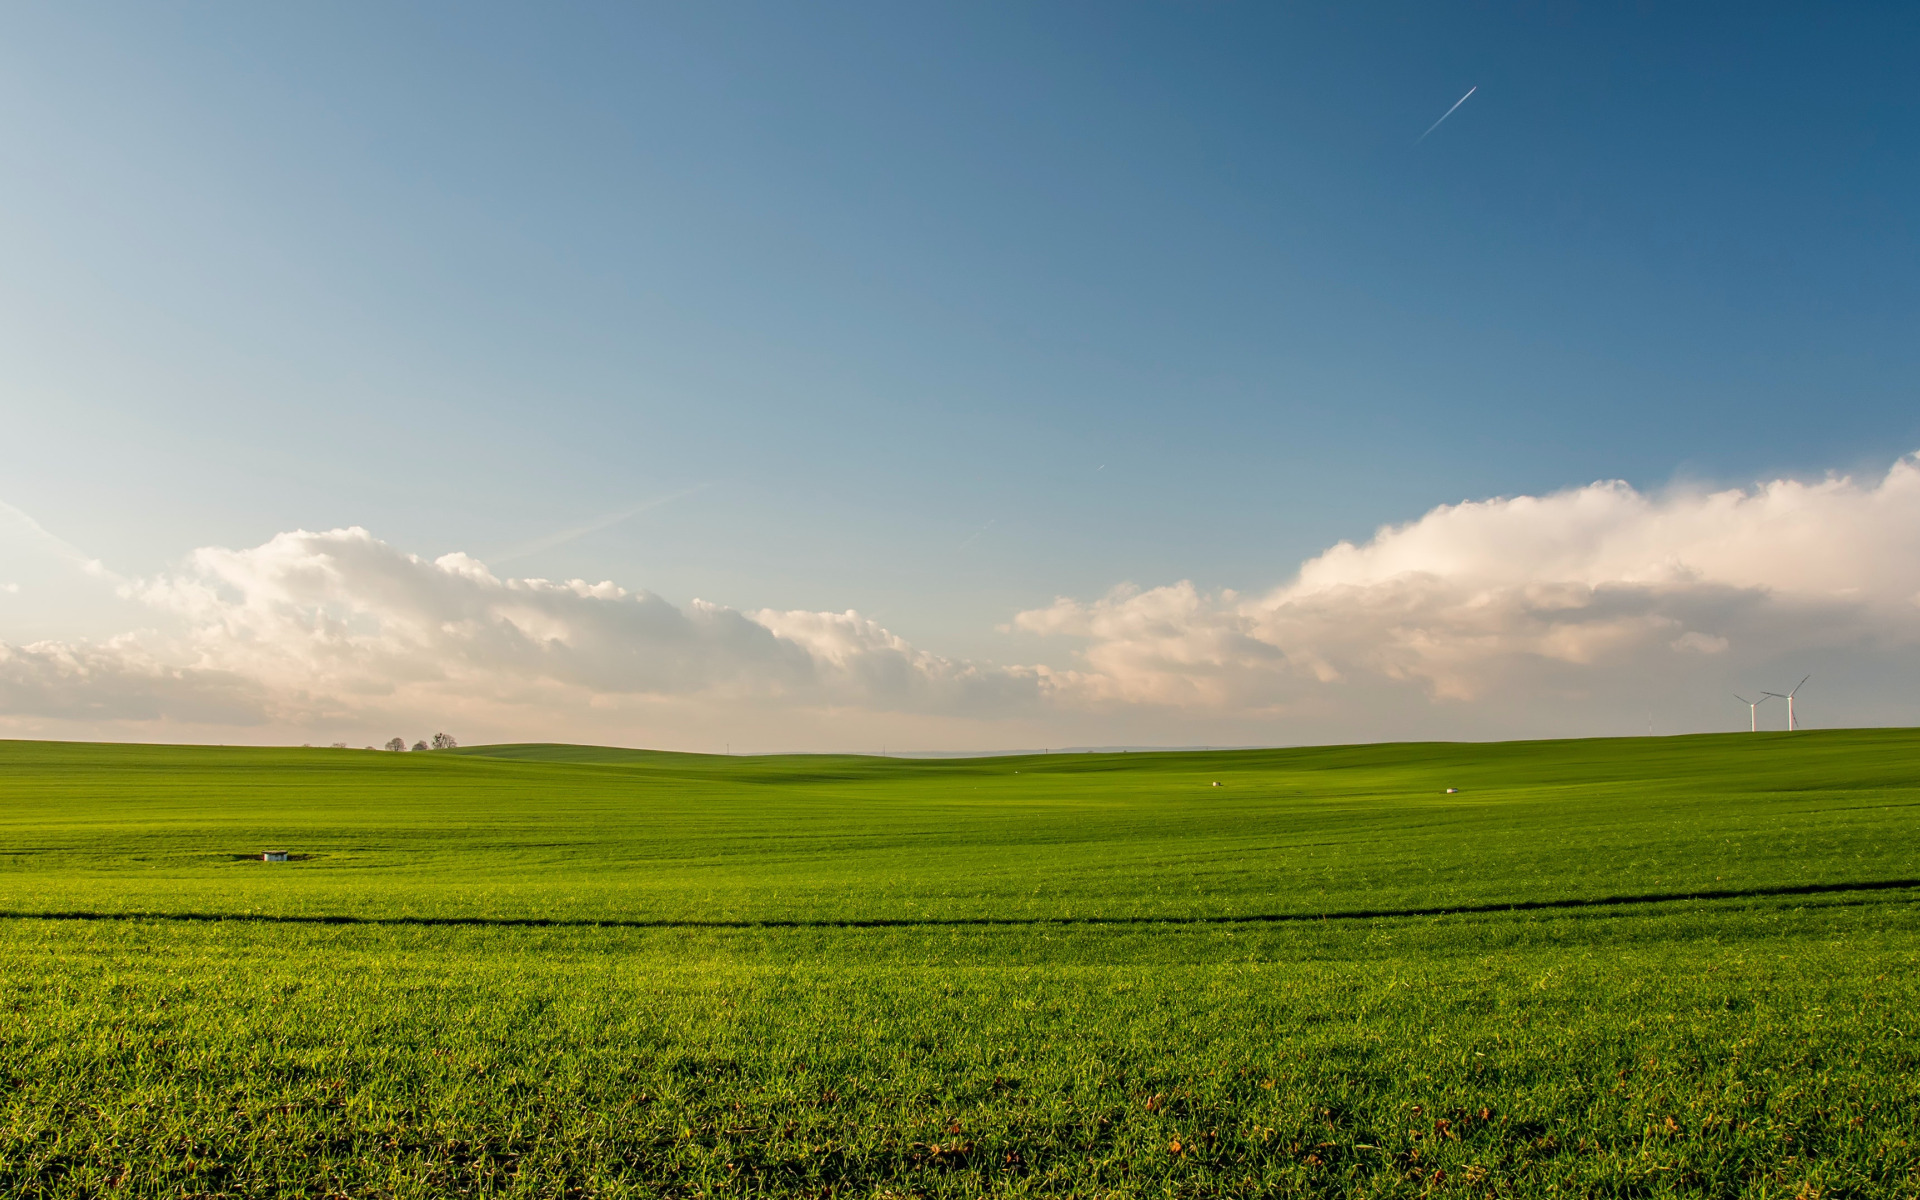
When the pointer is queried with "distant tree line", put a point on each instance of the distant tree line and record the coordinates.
(441, 741)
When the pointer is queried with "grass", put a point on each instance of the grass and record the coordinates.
(1680, 966)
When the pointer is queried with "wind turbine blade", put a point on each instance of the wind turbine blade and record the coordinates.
(1801, 684)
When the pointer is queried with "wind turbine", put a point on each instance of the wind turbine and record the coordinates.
(1753, 707)
(1789, 699)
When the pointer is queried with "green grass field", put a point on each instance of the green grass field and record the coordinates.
(1648, 967)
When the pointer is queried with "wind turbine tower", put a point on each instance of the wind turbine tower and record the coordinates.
(1753, 709)
(1789, 699)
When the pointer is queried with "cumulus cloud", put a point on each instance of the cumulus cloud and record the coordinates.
(344, 613)
(882, 667)
(1527, 590)
(325, 627)
(119, 681)
(1601, 596)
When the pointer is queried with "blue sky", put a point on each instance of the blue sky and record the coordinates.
(932, 312)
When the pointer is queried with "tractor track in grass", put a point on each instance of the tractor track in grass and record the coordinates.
(1445, 910)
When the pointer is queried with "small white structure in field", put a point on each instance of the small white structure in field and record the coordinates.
(1216, 783)
(273, 856)
(1451, 791)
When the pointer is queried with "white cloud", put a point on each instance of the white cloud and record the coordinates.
(344, 614)
(1541, 611)
(1531, 591)
(119, 681)
(881, 667)
(341, 629)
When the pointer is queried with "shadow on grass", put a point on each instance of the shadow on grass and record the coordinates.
(1354, 914)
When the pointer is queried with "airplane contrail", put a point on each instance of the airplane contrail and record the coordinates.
(564, 536)
(976, 535)
(1446, 114)
(65, 549)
